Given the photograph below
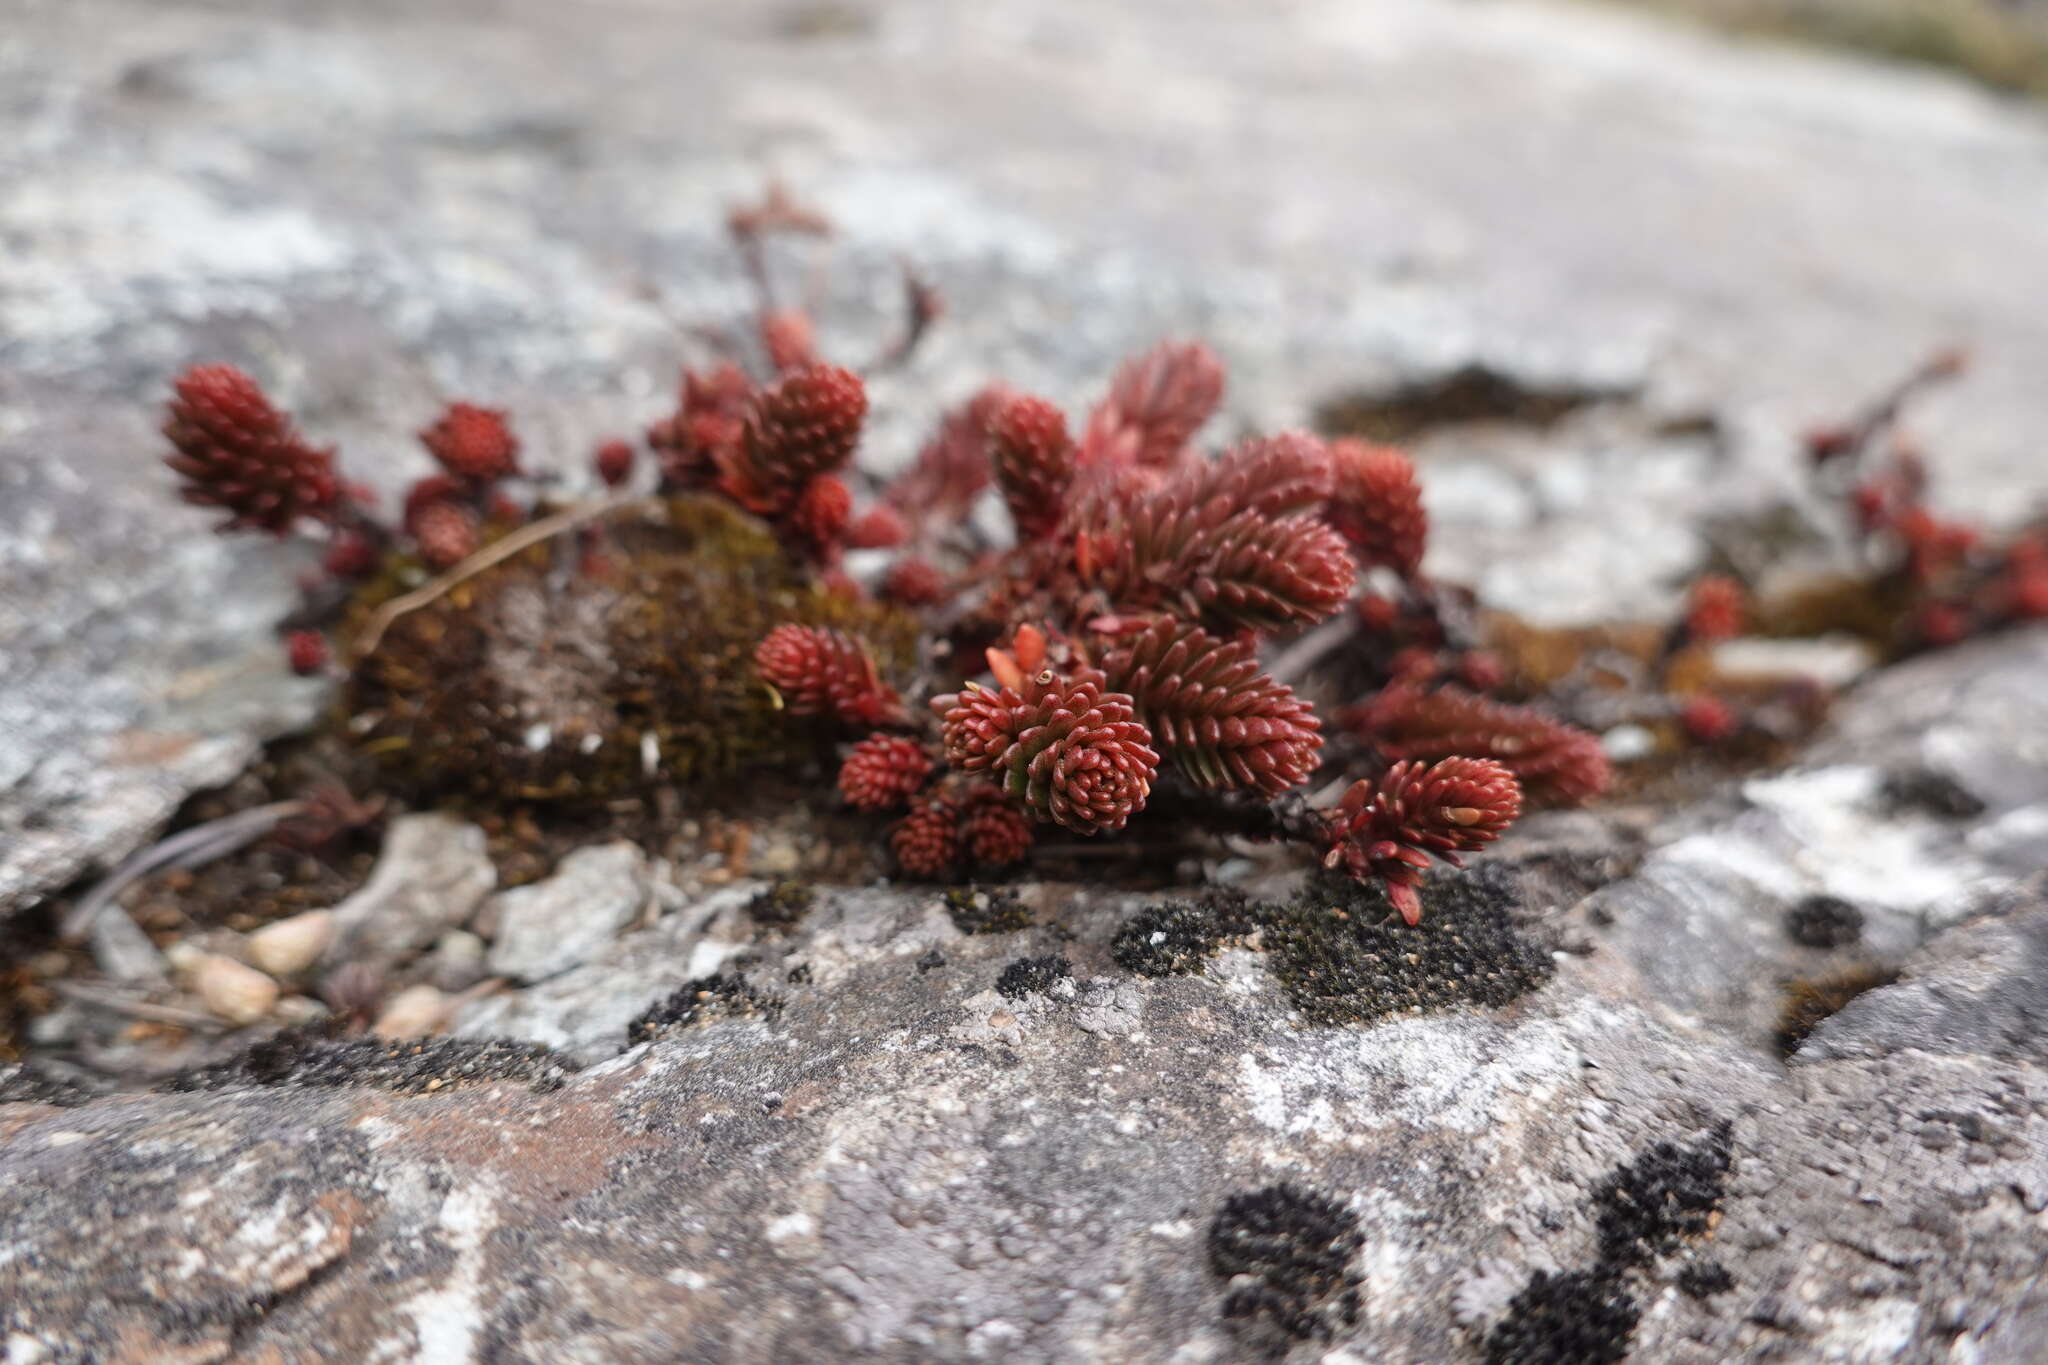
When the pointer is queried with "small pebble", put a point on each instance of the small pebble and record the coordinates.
(458, 960)
(299, 1009)
(236, 993)
(290, 946)
(413, 1013)
(777, 858)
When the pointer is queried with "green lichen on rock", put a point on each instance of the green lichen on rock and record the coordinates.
(577, 673)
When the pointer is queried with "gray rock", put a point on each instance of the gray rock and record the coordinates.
(845, 1142)
(457, 962)
(123, 952)
(1979, 990)
(431, 876)
(908, 1164)
(868, 1136)
(545, 929)
(584, 1011)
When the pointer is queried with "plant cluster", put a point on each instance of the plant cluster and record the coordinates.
(1122, 630)
(1953, 580)
(1246, 635)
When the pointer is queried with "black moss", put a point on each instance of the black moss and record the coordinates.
(1584, 1317)
(1824, 922)
(979, 910)
(1286, 1254)
(309, 1058)
(21, 1083)
(1641, 1211)
(782, 905)
(1928, 792)
(722, 995)
(1174, 939)
(1705, 1278)
(1667, 1193)
(1344, 958)
(1033, 975)
(1809, 1000)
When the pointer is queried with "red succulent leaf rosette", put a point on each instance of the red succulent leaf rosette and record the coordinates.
(1377, 506)
(1071, 752)
(1213, 711)
(1390, 828)
(236, 451)
(1553, 760)
(472, 443)
(883, 771)
(821, 672)
(994, 831)
(926, 842)
(1034, 460)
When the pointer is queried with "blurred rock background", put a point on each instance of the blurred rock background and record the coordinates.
(1599, 269)
(1669, 249)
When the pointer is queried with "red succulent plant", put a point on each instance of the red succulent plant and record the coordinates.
(926, 842)
(1377, 506)
(237, 452)
(1156, 403)
(472, 443)
(826, 672)
(1390, 828)
(883, 771)
(1213, 711)
(1073, 753)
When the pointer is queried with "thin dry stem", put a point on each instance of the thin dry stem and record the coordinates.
(497, 552)
(137, 1009)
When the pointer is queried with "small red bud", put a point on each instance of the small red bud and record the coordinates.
(307, 651)
(613, 462)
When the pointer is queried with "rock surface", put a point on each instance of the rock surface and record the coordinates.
(431, 877)
(545, 929)
(871, 1135)
(378, 208)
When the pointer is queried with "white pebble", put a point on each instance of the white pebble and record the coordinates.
(237, 993)
(290, 946)
(413, 1013)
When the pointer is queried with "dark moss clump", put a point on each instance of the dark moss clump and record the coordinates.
(1174, 939)
(1471, 393)
(1287, 1253)
(1705, 1278)
(1929, 792)
(1584, 1317)
(1667, 1193)
(1033, 975)
(1344, 957)
(722, 995)
(1642, 1210)
(782, 905)
(1811, 999)
(1824, 922)
(565, 677)
(24, 1084)
(308, 1057)
(979, 910)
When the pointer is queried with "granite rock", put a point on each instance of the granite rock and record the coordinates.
(868, 1135)
(545, 928)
